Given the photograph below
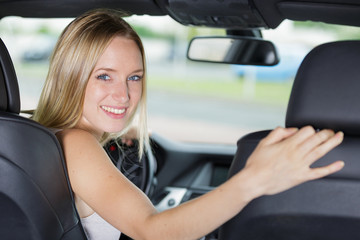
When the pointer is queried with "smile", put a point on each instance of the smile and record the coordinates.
(113, 110)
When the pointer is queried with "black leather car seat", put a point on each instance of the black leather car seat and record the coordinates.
(35, 197)
(325, 94)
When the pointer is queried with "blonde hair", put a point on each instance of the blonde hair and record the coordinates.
(77, 51)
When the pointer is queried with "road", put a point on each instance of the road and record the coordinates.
(193, 118)
(190, 117)
(198, 119)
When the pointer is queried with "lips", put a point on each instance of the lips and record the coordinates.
(113, 110)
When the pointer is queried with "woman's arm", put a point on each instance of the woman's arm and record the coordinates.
(279, 162)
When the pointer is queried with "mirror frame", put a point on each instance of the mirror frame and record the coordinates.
(269, 45)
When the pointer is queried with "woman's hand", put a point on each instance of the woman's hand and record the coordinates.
(282, 160)
(130, 136)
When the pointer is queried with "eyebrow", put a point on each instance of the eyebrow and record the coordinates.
(105, 69)
(113, 70)
(138, 70)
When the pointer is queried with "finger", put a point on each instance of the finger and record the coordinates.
(129, 142)
(126, 141)
(316, 139)
(316, 173)
(325, 147)
(278, 134)
(302, 135)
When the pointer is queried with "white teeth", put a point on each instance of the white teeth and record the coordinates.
(113, 110)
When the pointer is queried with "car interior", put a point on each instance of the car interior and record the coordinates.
(35, 204)
(38, 204)
(326, 208)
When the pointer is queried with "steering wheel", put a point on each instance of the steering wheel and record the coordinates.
(126, 159)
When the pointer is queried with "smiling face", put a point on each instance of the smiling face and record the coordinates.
(114, 88)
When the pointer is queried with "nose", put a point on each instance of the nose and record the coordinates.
(121, 92)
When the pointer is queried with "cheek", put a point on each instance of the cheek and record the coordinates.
(135, 92)
(93, 96)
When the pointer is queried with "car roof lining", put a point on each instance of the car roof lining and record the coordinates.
(259, 13)
(327, 12)
(67, 8)
(344, 12)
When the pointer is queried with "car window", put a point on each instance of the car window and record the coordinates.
(187, 101)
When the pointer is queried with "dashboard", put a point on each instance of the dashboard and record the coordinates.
(174, 172)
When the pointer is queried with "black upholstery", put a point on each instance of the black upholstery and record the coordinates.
(325, 94)
(326, 91)
(9, 89)
(35, 197)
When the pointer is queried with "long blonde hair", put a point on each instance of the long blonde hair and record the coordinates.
(77, 51)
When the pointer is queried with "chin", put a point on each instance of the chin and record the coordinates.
(114, 129)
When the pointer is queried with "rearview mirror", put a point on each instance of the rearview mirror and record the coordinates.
(233, 50)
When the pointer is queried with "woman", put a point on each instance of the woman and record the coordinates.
(95, 86)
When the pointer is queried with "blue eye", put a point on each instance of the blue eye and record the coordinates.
(104, 77)
(135, 78)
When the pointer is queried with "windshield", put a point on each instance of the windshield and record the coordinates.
(187, 101)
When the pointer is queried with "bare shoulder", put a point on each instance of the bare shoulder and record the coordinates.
(80, 146)
(77, 136)
(86, 160)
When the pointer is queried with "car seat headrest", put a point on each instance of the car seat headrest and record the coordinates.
(9, 88)
(326, 90)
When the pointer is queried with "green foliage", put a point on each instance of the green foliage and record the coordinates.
(44, 29)
(264, 92)
(188, 32)
(149, 33)
(342, 32)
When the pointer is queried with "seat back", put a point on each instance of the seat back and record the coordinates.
(325, 94)
(36, 201)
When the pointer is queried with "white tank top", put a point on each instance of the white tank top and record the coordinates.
(96, 228)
